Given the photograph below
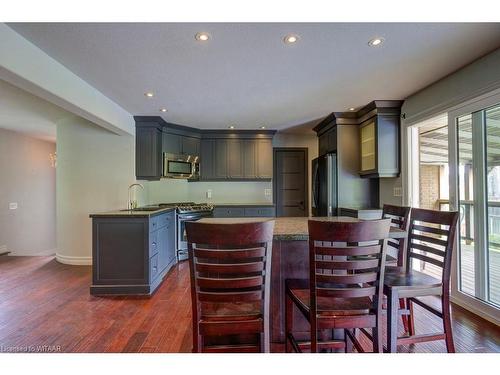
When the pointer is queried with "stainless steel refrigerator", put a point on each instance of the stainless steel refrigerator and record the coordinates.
(325, 185)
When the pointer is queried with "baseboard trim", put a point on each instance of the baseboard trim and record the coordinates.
(75, 261)
(481, 313)
(45, 253)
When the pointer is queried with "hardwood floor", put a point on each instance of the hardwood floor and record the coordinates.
(46, 306)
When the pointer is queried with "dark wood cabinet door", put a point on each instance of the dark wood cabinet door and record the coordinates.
(207, 158)
(234, 158)
(172, 143)
(220, 165)
(264, 158)
(249, 156)
(323, 145)
(148, 160)
(162, 239)
(332, 140)
(171, 241)
(190, 146)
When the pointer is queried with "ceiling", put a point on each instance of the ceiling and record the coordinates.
(28, 114)
(247, 76)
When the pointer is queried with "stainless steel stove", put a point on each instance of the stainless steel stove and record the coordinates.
(187, 211)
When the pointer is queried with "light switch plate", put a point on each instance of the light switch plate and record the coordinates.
(209, 194)
(13, 206)
(397, 191)
(267, 192)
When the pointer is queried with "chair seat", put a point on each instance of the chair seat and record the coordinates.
(328, 306)
(398, 278)
(230, 311)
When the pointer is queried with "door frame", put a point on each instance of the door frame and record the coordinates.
(306, 174)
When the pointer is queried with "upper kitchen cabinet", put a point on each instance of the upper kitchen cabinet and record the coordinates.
(223, 155)
(264, 158)
(378, 136)
(237, 156)
(180, 140)
(148, 151)
(328, 142)
(379, 139)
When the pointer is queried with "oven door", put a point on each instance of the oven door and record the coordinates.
(181, 230)
(182, 246)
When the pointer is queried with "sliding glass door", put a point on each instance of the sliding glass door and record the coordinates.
(475, 153)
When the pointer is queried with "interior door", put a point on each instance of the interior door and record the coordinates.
(290, 176)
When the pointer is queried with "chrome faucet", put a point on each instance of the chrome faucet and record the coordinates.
(132, 203)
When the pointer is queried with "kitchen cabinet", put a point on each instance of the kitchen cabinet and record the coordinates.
(237, 159)
(207, 162)
(379, 146)
(221, 159)
(244, 211)
(180, 144)
(148, 146)
(264, 153)
(327, 142)
(249, 155)
(131, 253)
(224, 155)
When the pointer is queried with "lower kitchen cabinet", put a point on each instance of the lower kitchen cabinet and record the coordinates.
(244, 211)
(130, 255)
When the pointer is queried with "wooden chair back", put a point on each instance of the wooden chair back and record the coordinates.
(230, 265)
(351, 264)
(400, 218)
(432, 239)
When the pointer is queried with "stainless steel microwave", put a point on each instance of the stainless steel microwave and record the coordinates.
(181, 166)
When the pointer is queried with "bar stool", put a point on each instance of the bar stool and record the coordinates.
(396, 248)
(428, 242)
(230, 266)
(345, 285)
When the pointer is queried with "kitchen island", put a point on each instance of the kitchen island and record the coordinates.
(132, 250)
(290, 260)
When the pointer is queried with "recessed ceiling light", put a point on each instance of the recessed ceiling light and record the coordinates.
(262, 127)
(163, 110)
(351, 109)
(376, 42)
(231, 126)
(291, 38)
(202, 36)
(149, 94)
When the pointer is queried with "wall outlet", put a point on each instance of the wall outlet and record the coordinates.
(209, 194)
(397, 191)
(13, 206)
(267, 192)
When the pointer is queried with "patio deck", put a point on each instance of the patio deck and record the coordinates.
(467, 267)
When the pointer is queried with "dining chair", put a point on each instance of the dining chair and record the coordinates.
(344, 290)
(432, 240)
(230, 267)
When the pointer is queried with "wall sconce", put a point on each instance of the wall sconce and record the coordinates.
(53, 159)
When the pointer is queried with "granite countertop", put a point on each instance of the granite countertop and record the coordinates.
(133, 213)
(262, 204)
(293, 228)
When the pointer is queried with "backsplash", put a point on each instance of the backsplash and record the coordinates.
(171, 190)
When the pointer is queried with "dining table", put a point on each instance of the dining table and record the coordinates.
(290, 260)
